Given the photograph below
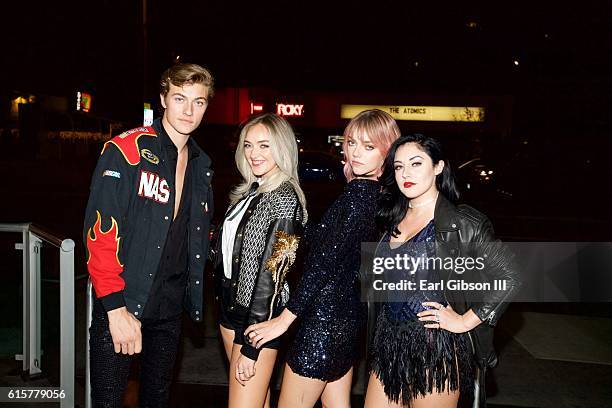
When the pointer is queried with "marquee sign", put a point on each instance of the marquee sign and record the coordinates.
(422, 113)
(284, 109)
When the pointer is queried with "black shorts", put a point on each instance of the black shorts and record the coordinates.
(236, 320)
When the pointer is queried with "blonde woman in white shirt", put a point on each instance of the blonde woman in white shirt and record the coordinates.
(255, 249)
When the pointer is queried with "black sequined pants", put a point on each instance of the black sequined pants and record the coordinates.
(109, 370)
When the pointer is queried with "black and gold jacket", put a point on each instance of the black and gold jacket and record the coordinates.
(264, 249)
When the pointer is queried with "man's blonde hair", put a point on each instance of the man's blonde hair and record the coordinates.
(181, 74)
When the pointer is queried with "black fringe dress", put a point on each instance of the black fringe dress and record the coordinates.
(409, 359)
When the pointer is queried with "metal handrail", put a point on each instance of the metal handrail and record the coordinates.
(13, 227)
(50, 238)
(33, 237)
(41, 232)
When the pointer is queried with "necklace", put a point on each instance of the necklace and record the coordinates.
(419, 205)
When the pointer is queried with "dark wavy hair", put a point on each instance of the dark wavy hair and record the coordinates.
(392, 204)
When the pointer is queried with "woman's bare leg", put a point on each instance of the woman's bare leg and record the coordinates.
(375, 395)
(337, 394)
(228, 343)
(442, 399)
(298, 391)
(255, 394)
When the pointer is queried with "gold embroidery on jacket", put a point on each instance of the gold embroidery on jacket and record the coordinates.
(283, 256)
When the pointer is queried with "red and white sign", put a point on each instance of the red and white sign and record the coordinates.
(283, 109)
(256, 107)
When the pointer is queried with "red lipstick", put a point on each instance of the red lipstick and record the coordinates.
(408, 184)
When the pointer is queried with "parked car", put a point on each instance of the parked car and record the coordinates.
(484, 180)
(319, 166)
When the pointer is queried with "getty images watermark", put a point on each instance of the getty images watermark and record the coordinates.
(548, 271)
(394, 272)
(399, 265)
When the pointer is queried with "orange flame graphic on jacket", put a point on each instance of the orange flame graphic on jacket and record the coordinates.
(103, 262)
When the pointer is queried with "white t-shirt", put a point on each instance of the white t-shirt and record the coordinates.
(228, 236)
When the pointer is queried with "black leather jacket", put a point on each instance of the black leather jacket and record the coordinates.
(463, 231)
(250, 290)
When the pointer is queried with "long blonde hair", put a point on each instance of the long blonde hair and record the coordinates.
(284, 152)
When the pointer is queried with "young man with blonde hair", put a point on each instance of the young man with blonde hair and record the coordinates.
(146, 232)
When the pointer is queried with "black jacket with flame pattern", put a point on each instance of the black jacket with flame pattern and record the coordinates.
(128, 215)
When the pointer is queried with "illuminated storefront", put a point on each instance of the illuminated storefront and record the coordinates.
(327, 113)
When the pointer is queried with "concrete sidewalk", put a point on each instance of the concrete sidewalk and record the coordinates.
(546, 359)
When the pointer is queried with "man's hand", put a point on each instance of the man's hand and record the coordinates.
(245, 369)
(125, 331)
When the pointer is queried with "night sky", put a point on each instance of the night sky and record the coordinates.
(552, 60)
(440, 48)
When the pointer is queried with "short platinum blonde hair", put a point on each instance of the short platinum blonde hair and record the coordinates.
(283, 147)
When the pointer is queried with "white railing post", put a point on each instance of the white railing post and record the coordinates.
(24, 247)
(31, 356)
(89, 312)
(67, 330)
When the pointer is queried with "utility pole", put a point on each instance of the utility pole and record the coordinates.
(145, 51)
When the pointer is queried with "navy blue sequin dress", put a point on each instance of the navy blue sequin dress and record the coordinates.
(327, 300)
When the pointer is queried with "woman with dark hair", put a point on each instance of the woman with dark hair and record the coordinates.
(327, 300)
(426, 340)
